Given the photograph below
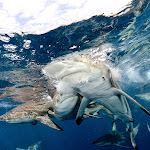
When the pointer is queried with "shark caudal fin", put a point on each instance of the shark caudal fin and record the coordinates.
(47, 121)
(133, 135)
(120, 92)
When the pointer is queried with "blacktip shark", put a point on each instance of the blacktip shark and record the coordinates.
(31, 112)
(145, 96)
(31, 147)
(114, 138)
(94, 82)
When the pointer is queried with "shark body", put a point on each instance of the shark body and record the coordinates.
(30, 112)
(113, 138)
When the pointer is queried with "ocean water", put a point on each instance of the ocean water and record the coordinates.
(122, 40)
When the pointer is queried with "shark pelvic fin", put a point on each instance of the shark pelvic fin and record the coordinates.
(47, 121)
(120, 92)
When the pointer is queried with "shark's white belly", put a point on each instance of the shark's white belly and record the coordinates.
(65, 107)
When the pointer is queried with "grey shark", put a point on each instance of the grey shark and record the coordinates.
(30, 112)
(113, 138)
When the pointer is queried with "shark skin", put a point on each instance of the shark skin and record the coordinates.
(64, 106)
(30, 112)
(94, 82)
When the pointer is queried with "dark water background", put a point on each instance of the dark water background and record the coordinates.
(124, 40)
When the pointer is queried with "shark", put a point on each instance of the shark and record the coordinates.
(94, 81)
(31, 147)
(114, 138)
(31, 112)
(145, 96)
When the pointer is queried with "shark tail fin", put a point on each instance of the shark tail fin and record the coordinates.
(47, 121)
(133, 135)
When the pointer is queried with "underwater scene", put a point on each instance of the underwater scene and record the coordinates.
(83, 84)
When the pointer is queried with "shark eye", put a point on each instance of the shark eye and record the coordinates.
(103, 78)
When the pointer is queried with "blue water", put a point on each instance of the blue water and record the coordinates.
(129, 37)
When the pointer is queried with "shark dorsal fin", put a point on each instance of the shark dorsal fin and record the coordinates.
(47, 121)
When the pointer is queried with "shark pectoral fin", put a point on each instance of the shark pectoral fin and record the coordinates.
(120, 92)
(81, 109)
(47, 121)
